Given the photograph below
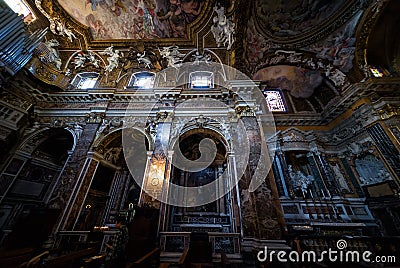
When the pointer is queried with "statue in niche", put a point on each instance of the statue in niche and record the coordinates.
(300, 181)
(78, 129)
(340, 178)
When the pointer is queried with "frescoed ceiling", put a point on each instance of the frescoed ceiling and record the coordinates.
(135, 19)
(322, 29)
(292, 18)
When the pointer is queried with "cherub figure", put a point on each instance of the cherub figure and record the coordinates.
(113, 59)
(79, 60)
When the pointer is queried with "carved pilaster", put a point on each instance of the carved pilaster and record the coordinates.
(158, 169)
(260, 215)
(70, 180)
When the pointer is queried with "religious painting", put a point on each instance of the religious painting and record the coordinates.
(300, 82)
(135, 19)
(339, 47)
(294, 17)
(254, 45)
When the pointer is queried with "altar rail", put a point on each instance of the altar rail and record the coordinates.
(176, 242)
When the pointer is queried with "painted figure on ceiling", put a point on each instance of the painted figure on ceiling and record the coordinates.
(135, 19)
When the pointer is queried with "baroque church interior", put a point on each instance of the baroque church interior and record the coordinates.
(217, 128)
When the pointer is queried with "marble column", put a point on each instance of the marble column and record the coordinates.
(75, 176)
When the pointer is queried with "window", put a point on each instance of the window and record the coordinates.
(376, 72)
(19, 7)
(142, 80)
(85, 80)
(201, 80)
(275, 101)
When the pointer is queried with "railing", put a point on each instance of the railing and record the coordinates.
(176, 242)
(76, 240)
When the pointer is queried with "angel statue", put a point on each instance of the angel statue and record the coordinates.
(113, 58)
(223, 28)
(92, 59)
(64, 30)
(49, 54)
(143, 58)
(173, 56)
(79, 60)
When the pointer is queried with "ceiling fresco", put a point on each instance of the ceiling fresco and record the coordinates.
(336, 48)
(289, 18)
(339, 47)
(300, 82)
(135, 19)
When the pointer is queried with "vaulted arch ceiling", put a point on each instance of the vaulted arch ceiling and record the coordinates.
(383, 46)
(135, 19)
(299, 20)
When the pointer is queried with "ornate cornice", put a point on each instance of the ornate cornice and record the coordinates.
(388, 111)
(54, 11)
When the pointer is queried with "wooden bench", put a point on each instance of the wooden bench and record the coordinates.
(69, 260)
(15, 257)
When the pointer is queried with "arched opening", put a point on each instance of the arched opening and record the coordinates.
(32, 174)
(113, 190)
(383, 52)
(214, 216)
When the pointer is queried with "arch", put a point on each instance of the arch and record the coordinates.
(383, 50)
(194, 165)
(29, 144)
(100, 139)
(38, 163)
(191, 125)
(80, 51)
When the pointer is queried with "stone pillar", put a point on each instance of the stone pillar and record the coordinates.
(158, 166)
(233, 201)
(280, 169)
(260, 213)
(386, 148)
(322, 190)
(77, 172)
(326, 172)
